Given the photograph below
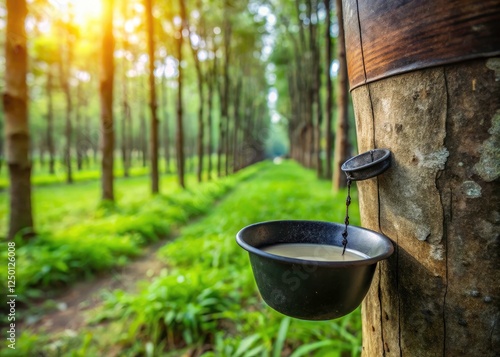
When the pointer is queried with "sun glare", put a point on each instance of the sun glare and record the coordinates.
(86, 10)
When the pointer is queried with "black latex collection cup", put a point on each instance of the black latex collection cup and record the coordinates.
(316, 289)
(309, 289)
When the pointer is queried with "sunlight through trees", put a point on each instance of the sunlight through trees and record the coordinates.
(201, 87)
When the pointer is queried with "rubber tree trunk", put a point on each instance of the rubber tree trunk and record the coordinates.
(50, 120)
(224, 137)
(106, 96)
(155, 177)
(126, 116)
(329, 91)
(211, 84)
(180, 113)
(78, 127)
(65, 70)
(166, 124)
(15, 104)
(342, 145)
(436, 106)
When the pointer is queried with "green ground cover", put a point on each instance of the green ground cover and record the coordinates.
(92, 171)
(78, 236)
(205, 302)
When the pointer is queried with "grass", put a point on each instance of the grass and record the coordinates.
(78, 237)
(206, 302)
(92, 171)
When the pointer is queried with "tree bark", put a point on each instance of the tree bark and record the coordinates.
(78, 127)
(220, 146)
(342, 145)
(166, 125)
(211, 83)
(201, 133)
(225, 105)
(143, 135)
(64, 70)
(106, 96)
(126, 118)
(201, 109)
(317, 87)
(236, 115)
(155, 184)
(437, 203)
(180, 128)
(50, 121)
(329, 92)
(17, 135)
(314, 85)
(438, 111)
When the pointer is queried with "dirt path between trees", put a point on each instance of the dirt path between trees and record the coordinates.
(74, 304)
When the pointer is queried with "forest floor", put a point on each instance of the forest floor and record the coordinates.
(71, 307)
(67, 307)
(192, 292)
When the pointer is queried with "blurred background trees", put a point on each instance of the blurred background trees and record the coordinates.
(199, 87)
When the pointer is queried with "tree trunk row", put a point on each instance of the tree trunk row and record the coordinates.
(15, 103)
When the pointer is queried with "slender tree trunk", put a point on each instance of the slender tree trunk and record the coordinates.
(211, 84)
(143, 137)
(180, 129)
(318, 136)
(237, 119)
(15, 103)
(125, 141)
(143, 132)
(106, 96)
(78, 127)
(166, 125)
(124, 129)
(50, 121)
(89, 142)
(201, 133)
(84, 131)
(317, 86)
(64, 69)
(155, 181)
(227, 56)
(302, 76)
(329, 91)
(313, 63)
(41, 153)
(227, 143)
(220, 146)
(67, 132)
(342, 132)
(201, 125)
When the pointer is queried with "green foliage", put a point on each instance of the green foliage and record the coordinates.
(43, 178)
(108, 237)
(208, 294)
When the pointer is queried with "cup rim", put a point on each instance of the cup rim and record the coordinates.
(259, 252)
(383, 160)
